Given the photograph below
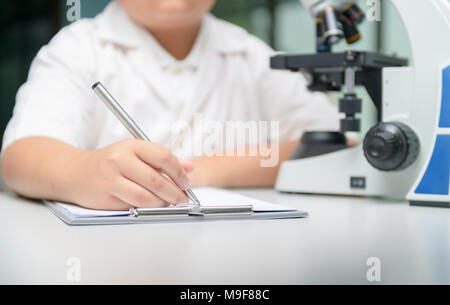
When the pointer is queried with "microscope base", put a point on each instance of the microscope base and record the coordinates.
(345, 172)
(437, 204)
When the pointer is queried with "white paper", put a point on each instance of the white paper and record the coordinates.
(207, 196)
(214, 197)
(82, 212)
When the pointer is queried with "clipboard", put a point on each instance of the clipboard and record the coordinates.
(253, 209)
(131, 218)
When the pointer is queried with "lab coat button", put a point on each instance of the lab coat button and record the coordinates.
(179, 71)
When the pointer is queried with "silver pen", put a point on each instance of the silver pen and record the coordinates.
(129, 124)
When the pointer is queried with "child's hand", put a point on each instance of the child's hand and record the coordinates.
(187, 165)
(131, 173)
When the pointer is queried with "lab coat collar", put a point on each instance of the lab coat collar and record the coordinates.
(221, 38)
(115, 26)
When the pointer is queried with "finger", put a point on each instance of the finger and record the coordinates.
(111, 203)
(163, 160)
(136, 196)
(116, 204)
(352, 142)
(145, 176)
(188, 166)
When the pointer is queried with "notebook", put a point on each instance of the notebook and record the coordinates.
(217, 204)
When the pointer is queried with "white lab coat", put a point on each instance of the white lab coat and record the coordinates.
(228, 78)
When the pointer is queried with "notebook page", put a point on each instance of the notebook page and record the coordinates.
(215, 197)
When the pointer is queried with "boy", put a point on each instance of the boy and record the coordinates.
(164, 61)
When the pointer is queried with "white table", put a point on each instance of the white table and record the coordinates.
(331, 246)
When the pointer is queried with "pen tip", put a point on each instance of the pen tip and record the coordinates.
(95, 85)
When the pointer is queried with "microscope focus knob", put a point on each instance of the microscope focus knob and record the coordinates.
(391, 146)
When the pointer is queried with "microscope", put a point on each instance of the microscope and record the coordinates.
(406, 154)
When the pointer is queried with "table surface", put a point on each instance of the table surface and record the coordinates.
(332, 246)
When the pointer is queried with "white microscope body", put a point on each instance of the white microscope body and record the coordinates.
(418, 97)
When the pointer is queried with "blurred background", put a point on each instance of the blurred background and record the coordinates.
(284, 24)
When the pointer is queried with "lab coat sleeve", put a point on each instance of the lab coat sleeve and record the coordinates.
(54, 102)
(284, 97)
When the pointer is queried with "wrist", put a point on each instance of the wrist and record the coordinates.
(207, 173)
(65, 185)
